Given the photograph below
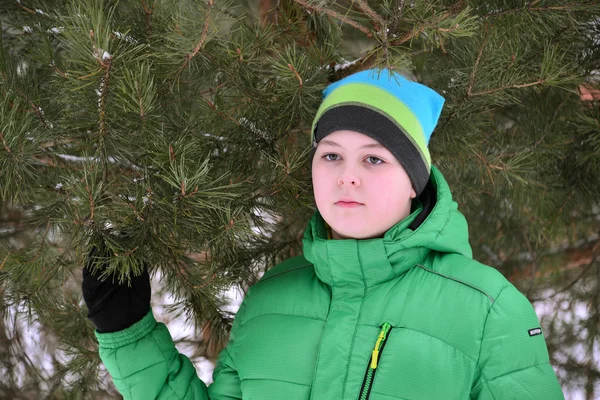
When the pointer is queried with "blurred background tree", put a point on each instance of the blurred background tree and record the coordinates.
(177, 132)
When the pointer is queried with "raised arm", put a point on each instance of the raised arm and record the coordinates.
(139, 352)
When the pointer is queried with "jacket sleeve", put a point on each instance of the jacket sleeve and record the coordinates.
(145, 364)
(513, 361)
(226, 381)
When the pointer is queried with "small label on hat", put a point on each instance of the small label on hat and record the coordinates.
(535, 331)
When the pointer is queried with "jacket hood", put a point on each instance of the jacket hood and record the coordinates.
(372, 261)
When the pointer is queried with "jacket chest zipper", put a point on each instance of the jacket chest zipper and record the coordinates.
(365, 390)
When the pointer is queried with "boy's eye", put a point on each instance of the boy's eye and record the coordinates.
(331, 157)
(374, 160)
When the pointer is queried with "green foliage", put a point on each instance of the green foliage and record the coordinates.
(177, 134)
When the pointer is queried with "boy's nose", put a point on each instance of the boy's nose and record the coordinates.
(347, 179)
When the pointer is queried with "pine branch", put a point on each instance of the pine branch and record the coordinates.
(452, 12)
(573, 258)
(20, 5)
(370, 59)
(148, 11)
(106, 63)
(297, 75)
(336, 15)
(221, 113)
(4, 143)
(34, 12)
(103, 95)
(200, 42)
(35, 108)
(378, 20)
(4, 261)
(530, 7)
(518, 86)
(574, 281)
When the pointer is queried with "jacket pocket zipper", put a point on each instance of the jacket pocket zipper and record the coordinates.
(365, 390)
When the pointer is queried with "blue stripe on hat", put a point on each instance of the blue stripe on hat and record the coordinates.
(424, 102)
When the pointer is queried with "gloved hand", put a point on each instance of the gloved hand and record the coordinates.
(112, 306)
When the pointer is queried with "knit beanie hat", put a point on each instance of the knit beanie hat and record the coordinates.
(384, 105)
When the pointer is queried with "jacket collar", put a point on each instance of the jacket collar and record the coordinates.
(369, 262)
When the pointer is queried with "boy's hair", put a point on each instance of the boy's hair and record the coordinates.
(384, 105)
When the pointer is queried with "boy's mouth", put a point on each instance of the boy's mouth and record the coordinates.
(346, 203)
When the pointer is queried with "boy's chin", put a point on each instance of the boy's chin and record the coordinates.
(355, 233)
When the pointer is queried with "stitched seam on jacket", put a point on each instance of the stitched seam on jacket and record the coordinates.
(284, 272)
(490, 390)
(481, 344)
(481, 384)
(276, 380)
(167, 364)
(312, 382)
(121, 375)
(517, 370)
(284, 314)
(229, 365)
(387, 395)
(437, 338)
(443, 227)
(459, 281)
(142, 370)
(362, 302)
(240, 314)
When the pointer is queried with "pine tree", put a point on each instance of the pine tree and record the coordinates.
(177, 133)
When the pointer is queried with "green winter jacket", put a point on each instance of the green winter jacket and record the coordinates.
(407, 316)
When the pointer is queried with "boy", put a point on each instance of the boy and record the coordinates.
(385, 303)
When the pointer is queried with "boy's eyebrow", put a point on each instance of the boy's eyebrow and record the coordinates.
(367, 146)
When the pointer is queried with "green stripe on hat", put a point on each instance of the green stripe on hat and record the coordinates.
(370, 96)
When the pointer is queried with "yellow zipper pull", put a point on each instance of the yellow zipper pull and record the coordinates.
(375, 354)
(374, 359)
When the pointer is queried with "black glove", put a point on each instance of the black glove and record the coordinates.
(113, 307)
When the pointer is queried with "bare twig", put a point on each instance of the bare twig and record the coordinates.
(408, 36)
(296, 73)
(472, 79)
(4, 261)
(4, 143)
(212, 90)
(573, 258)
(378, 20)
(207, 282)
(562, 207)
(36, 109)
(487, 166)
(200, 42)
(337, 16)
(370, 59)
(148, 12)
(103, 95)
(127, 253)
(401, 7)
(39, 252)
(29, 10)
(222, 114)
(137, 86)
(61, 73)
(416, 32)
(91, 198)
(529, 7)
(455, 27)
(522, 85)
(574, 281)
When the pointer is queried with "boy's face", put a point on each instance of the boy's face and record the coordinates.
(361, 190)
